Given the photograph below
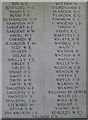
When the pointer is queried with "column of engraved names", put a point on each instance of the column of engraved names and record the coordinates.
(67, 19)
(19, 41)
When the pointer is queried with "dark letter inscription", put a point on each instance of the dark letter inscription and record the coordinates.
(44, 60)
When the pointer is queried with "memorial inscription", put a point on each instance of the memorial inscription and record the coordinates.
(44, 60)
